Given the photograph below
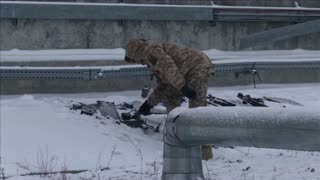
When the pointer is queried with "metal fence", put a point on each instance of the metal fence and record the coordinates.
(111, 72)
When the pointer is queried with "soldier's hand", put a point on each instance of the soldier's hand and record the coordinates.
(188, 92)
(145, 108)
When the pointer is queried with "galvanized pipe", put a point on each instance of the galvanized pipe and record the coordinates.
(278, 34)
(187, 129)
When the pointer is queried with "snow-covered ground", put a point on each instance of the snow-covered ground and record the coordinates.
(39, 131)
(16, 55)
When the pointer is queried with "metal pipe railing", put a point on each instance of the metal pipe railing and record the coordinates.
(274, 35)
(187, 129)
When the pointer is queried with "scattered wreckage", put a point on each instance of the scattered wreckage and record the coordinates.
(126, 112)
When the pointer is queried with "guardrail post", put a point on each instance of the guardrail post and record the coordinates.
(182, 162)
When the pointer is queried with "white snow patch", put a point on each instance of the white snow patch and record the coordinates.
(30, 123)
(217, 56)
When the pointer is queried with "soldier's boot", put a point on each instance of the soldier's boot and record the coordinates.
(206, 152)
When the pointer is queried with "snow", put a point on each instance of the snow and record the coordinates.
(117, 67)
(218, 56)
(40, 123)
(276, 115)
(62, 55)
(296, 55)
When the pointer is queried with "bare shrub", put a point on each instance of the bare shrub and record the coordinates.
(246, 174)
(2, 174)
(139, 153)
(110, 159)
(64, 168)
(45, 165)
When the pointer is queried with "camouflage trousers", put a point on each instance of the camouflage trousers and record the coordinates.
(197, 79)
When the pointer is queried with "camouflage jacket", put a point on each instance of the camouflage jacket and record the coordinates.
(169, 63)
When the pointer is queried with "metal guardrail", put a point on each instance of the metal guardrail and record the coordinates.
(141, 71)
(185, 130)
(80, 74)
(44, 74)
(122, 11)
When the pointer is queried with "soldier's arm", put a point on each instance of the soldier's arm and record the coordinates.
(157, 95)
(165, 68)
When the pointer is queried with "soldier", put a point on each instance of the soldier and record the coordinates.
(179, 71)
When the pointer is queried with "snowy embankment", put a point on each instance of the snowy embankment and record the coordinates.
(40, 129)
(218, 56)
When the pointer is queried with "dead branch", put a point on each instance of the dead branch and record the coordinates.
(55, 172)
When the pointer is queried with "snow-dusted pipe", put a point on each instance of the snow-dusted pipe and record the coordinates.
(187, 129)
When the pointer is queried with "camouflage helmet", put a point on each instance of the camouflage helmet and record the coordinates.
(134, 50)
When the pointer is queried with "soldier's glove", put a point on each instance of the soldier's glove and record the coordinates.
(188, 92)
(145, 108)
